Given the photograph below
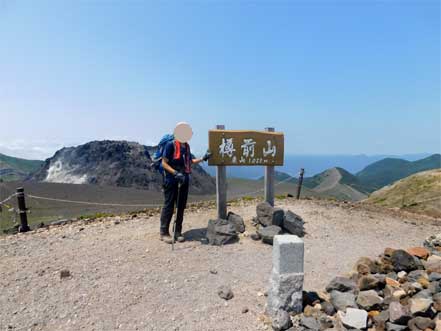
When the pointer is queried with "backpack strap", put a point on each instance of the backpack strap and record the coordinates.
(177, 154)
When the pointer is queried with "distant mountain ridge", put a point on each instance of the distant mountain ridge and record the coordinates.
(338, 183)
(389, 170)
(13, 168)
(113, 163)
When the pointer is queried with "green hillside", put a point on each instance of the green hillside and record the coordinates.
(419, 193)
(12, 168)
(387, 171)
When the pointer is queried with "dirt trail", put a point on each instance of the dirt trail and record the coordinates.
(124, 278)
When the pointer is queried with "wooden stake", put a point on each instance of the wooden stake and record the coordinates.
(269, 179)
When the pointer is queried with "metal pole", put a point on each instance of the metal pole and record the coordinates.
(269, 179)
(22, 210)
(299, 185)
(221, 186)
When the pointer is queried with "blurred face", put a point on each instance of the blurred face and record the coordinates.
(183, 132)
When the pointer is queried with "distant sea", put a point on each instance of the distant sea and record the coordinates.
(314, 164)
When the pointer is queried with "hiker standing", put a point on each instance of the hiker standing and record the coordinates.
(176, 162)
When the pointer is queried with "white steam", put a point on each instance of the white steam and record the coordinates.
(59, 174)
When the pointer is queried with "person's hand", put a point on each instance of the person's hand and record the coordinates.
(180, 178)
(207, 156)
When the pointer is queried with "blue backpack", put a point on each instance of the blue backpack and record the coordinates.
(157, 157)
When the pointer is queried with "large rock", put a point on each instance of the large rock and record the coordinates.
(341, 284)
(237, 220)
(294, 224)
(278, 216)
(267, 233)
(343, 300)
(403, 261)
(264, 213)
(221, 232)
(420, 305)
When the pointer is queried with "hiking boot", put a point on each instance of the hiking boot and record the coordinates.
(165, 238)
(179, 238)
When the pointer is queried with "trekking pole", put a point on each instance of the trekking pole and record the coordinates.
(176, 217)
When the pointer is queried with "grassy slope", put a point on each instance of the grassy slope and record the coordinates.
(17, 168)
(420, 193)
(389, 170)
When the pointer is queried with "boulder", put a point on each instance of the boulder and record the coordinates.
(342, 300)
(341, 284)
(221, 232)
(267, 233)
(403, 261)
(369, 300)
(237, 221)
(294, 224)
(278, 216)
(264, 213)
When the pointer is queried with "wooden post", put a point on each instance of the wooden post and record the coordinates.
(22, 210)
(299, 184)
(221, 186)
(269, 179)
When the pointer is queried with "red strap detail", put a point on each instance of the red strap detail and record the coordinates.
(177, 155)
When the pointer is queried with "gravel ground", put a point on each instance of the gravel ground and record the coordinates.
(123, 277)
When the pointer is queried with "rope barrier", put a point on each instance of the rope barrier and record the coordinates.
(7, 199)
(93, 203)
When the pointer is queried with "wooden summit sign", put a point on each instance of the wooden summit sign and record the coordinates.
(246, 148)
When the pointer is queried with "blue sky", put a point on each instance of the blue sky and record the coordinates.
(338, 77)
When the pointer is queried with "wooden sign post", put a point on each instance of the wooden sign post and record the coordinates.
(221, 186)
(244, 148)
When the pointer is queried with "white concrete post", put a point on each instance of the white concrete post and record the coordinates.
(286, 282)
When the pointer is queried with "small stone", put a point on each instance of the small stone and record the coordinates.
(213, 271)
(395, 327)
(398, 314)
(421, 323)
(116, 222)
(342, 300)
(398, 294)
(64, 273)
(392, 282)
(369, 300)
(281, 321)
(403, 261)
(420, 252)
(245, 310)
(435, 276)
(255, 236)
(367, 282)
(328, 308)
(354, 318)
(225, 292)
(341, 284)
(419, 305)
(310, 323)
(401, 275)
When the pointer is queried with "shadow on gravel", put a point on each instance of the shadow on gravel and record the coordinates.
(201, 236)
(197, 235)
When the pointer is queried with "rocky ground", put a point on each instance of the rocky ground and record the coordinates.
(115, 274)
